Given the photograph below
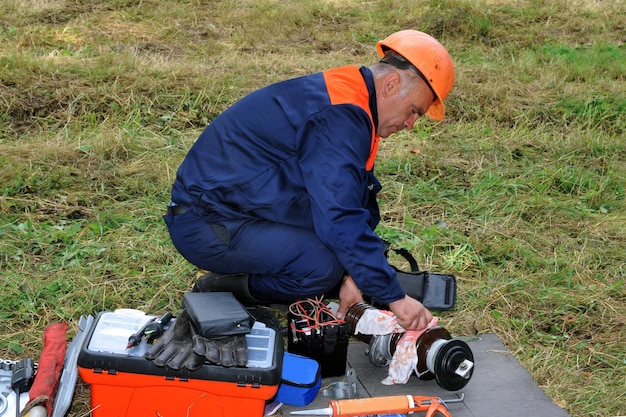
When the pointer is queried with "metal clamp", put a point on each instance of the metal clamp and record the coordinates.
(342, 389)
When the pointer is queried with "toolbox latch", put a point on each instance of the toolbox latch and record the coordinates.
(102, 370)
(242, 381)
(176, 378)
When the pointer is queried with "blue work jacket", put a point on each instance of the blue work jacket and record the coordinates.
(299, 152)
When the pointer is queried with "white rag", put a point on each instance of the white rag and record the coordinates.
(404, 361)
(377, 322)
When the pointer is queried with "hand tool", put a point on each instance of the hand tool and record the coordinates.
(380, 405)
(135, 338)
(44, 389)
(155, 328)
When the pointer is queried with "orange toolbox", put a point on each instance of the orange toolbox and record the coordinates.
(125, 384)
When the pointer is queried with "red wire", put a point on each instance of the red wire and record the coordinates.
(313, 317)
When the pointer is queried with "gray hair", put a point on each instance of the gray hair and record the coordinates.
(408, 77)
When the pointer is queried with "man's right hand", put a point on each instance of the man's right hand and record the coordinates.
(411, 314)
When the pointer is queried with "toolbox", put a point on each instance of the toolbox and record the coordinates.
(125, 384)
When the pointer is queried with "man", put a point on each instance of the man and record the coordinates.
(277, 196)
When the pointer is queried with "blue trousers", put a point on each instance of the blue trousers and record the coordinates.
(284, 263)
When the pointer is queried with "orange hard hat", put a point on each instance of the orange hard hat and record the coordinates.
(429, 57)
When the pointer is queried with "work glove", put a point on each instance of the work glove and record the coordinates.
(175, 347)
(222, 350)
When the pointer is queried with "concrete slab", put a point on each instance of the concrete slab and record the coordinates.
(500, 386)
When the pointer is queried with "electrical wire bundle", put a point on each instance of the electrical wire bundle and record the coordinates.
(310, 316)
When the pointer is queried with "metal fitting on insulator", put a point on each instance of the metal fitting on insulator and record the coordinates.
(449, 361)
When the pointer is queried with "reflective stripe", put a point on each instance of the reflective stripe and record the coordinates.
(340, 84)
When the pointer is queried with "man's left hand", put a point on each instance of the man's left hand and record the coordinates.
(349, 294)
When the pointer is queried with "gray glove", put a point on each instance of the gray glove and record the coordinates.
(174, 347)
(223, 350)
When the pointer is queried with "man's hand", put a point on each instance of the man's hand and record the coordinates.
(349, 294)
(411, 314)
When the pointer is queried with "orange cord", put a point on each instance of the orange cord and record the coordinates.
(314, 312)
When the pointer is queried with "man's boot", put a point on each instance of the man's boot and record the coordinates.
(233, 283)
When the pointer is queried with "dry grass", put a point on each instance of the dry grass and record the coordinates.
(520, 192)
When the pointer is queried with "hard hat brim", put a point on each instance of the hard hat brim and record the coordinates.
(436, 111)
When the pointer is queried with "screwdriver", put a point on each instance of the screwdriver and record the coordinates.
(135, 338)
(154, 329)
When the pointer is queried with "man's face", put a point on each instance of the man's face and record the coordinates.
(399, 110)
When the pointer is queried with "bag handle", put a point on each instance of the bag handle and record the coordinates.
(402, 252)
(434, 291)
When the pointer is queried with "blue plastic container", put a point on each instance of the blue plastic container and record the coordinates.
(300, 380)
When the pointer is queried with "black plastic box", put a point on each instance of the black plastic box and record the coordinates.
(328, 345)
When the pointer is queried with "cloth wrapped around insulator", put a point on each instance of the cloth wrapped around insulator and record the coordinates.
(49, 369)
(404, 360)
(377, 322)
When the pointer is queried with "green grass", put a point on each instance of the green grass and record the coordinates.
(519, 192)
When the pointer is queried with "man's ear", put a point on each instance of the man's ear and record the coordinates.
(391, 84)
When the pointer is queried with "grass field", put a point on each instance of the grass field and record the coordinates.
(520, 192)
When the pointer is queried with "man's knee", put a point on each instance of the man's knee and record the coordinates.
(288, 288)
(327, 279)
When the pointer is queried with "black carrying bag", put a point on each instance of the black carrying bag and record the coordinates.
(434, 291)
